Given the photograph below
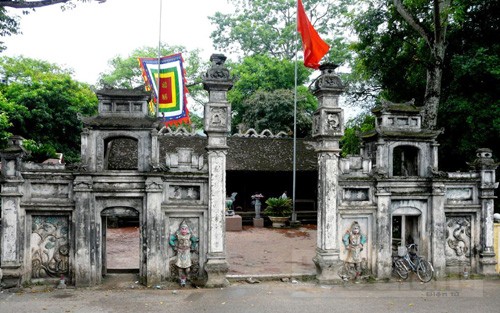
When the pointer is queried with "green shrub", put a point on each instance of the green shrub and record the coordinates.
(278, 207)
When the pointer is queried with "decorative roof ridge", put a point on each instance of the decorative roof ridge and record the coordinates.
(179, 131)
(266, 133)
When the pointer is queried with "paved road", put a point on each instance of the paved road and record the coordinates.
(445, 296)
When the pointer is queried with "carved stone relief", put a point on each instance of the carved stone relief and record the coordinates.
(458, 194)
(356, 194)
(332, 123)
(218, 117)
(182, 192)
(49, 246)
(41, 190)
(316, 124)
(458, 240)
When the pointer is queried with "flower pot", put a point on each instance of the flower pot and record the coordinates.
(279, 221)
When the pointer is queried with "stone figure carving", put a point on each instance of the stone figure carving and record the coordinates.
(230, 204)
(183, 242)
(218, 71)
(353, 241)
(256, 202)
(328, 78)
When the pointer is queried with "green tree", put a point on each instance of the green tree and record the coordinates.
(399, 60)
(9, 25)
(9, 22)
(5, 124)
(265, 74)
(266, 27)
(274, 109)
(350, 142)
(42, 103)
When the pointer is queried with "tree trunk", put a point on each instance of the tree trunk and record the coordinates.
(437, 43)
(433, 87)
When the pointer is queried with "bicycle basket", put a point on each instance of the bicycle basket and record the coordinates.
(402, 251)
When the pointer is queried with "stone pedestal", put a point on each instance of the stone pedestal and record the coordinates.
(216, 269)
(233, 223)
(258, 222)
(328, 264)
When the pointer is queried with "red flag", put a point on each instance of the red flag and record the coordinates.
(314, 47)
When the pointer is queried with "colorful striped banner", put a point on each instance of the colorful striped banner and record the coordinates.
(170, 89)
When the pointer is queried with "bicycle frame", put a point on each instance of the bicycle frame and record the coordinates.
(409, 261)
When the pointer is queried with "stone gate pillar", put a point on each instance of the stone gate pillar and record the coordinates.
(328, 128)
(12, 223)
(155, 264)
(384, 245)
(438, 228)
(217, 120)
(486, 167)
(86, 238)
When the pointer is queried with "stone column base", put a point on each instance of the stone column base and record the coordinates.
(216, 270)
(488, 263)
(10, 278)
(258, 222)
(328, 265)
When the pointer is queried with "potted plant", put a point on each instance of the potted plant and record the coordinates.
(278, 210)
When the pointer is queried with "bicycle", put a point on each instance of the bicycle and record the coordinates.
(408, 260)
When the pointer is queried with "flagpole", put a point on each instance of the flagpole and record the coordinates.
(294, 213)
(159, 56)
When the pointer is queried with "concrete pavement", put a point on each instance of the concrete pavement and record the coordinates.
(445, 296)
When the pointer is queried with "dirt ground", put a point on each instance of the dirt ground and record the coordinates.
(256, 251)
(252, 251)
(122, 248)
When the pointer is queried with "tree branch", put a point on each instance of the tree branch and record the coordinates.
(30, 4)
(35, 4)
(413, 23)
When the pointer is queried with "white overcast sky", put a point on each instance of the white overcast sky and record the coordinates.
(87, 37)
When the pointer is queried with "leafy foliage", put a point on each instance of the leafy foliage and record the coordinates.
(265, 27)
(278, 207)
(256, 95)
(39, 152)
(351, 141)
(396, 59)
(4, 125)
(274, 110)
(9, 25)
(42, 103)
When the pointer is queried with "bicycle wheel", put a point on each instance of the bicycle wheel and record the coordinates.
(425, 271)
(401, 268)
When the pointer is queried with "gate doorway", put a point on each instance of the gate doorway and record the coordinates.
(404, 231)
(121, 238)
